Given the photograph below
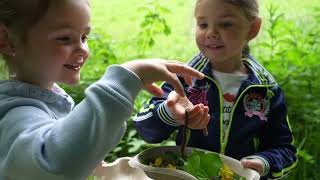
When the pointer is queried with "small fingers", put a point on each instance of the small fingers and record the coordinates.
(173, 80)
(172, 98)
(188, 80)
(204, 123)
(194, 111)
(184, 70)
(200, 122)
(200, 117)
(154, 89)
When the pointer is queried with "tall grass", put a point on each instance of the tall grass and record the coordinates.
(290, 51)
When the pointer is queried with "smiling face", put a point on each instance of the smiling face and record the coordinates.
(222, 31)
(55, 47)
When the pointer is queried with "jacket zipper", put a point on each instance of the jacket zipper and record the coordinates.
(233, 109)
(224, 140)
(221, 112)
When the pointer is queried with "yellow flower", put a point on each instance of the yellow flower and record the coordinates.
(158, 162)
(170, 166)
(226, 173)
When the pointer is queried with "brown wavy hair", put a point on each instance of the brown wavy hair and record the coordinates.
(20, 15)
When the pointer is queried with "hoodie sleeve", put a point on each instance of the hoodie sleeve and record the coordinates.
(277, 140)
(34, 145)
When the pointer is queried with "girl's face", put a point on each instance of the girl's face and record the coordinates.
(222, 31)
(56, 46)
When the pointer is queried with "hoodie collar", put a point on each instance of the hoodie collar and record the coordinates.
(26, 90)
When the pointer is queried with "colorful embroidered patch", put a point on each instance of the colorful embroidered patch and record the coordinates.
(255, 104)
(198, 94)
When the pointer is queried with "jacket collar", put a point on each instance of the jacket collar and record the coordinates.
(257, 73)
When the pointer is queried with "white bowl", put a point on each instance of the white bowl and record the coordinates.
(159, 173)
(118, 170)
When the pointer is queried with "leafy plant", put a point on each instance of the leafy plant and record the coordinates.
(290, 52)
(3, 69)
(203, 165)
(152, 25)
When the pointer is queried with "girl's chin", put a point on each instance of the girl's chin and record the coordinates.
(216, 54)
(213, 56)
(72, 82)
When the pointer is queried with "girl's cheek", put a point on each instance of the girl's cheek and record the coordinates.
(200, 36)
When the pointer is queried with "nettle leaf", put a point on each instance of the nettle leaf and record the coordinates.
(203, 165)
(211, 163)
(192, 164)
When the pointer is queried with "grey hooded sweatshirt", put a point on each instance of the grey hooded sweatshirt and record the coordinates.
(44, 137)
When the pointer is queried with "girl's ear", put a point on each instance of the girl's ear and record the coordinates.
(254, 28)
(5, 45)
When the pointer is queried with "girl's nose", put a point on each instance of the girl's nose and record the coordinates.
(212, 33)
(83, 50)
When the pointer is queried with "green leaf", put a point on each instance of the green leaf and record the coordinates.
(211, 163)
(203, 165)
(193, 165)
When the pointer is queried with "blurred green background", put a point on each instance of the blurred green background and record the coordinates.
(288, 46)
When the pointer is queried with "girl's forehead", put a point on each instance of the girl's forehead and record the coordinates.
(75, 10)
(216, 8)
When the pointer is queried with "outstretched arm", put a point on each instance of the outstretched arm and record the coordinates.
(46, 144)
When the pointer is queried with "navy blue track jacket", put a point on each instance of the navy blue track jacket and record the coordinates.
(258, 123)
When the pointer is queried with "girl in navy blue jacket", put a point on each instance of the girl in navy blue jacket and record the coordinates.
(238, 103)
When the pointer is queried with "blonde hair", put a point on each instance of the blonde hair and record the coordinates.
(249, 7)
(251, 10)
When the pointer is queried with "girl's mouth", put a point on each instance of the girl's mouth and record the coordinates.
(214, 46)
(73, 67)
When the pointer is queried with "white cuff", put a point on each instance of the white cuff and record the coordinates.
(165, 115)
(266, 166)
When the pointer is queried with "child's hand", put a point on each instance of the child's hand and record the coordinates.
(198, 114)
(154, 70)
(255, 164)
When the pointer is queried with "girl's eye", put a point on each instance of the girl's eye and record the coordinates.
(225, 24)
(202, 25)
(64, 39)
(84, 38)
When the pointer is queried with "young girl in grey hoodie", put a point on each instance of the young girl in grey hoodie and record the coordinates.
(42, 134)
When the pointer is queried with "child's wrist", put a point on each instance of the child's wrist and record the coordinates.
(165, 115)
(265, 164)
(165, 105)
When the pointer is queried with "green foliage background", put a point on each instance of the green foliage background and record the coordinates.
(288, 46)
